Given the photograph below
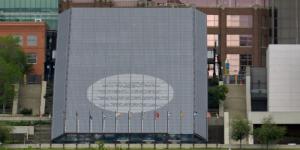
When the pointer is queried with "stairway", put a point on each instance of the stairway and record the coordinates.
(42, 134)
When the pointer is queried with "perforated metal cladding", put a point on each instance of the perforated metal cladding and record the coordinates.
(168, 45)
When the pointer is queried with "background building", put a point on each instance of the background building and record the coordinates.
(32, 40)
(282, 89)
(285, 16)
(30, 10)
(35, 11)
(240, 30)
(139, 72)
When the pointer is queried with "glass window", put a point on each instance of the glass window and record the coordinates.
(236, 64)
(239, 21)
(245, 60)
(236, 40)
(232, 64)
(31, 58)
(20, 39)
(211, 39)
(212, 20)
(32, 40)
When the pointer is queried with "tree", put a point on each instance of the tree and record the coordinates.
(216, 94)
(269, 132)
(4, 133)
(12, 67)
(240, 129)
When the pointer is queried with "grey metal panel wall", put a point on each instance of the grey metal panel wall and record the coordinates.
(200, 74)
(156, 42)
(288, 21)
(60, 74)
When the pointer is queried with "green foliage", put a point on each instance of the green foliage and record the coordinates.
(269, 132)
(26, 111)
(13, 65)
(213, 82)
(240, 129)
(12, 53)
(216, 94)
(100, 145)
(4, 133)
(25, 123)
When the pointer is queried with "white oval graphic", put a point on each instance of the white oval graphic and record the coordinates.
(130, 93)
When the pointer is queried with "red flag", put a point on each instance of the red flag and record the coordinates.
(156, 115)
(208, 115)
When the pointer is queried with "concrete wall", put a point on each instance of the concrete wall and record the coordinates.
(23, 130)
(278, 117)
(30, 97)
(283, 71)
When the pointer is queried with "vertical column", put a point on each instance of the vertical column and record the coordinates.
(226, 128)
(256, 49)
(222, 42)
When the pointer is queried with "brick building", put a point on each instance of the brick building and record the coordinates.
(32, 40)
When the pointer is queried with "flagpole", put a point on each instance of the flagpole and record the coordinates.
(116, 119)
(90, 122)
(128, 128)
(77, 128)
(142, 113)
(103, 122)
(167, 129)
(77, 123)
(155, 114)
(180, 135)
(194, 126)
(129, 109)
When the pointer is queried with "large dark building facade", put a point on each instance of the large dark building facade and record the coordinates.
(141, 73)
(285, 19)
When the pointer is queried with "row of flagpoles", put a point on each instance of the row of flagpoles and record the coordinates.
(156, 116)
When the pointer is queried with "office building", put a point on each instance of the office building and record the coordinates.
(139, 74)
(285, 19)
(66, 4)
(31, 11)
(283, 105)
(32, 40)
(239, 30)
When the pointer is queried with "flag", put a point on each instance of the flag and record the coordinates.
(208, 115)
(169, 114)
(181, 114)
(90, 116)
(156, 115)
(129, 114)
(118, 114)
(195, 113)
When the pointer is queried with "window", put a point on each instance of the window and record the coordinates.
(212, 20)
(32, 40)
(245, 60)
(235, 40)
(211, 39)
(31, 58)
(239, 21)
(20, 39)
(236, 64)
(232, 64)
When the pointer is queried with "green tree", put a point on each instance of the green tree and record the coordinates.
(216, 94)
(269, 132)
(4, 133)
(240, 129)
(12, 67)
